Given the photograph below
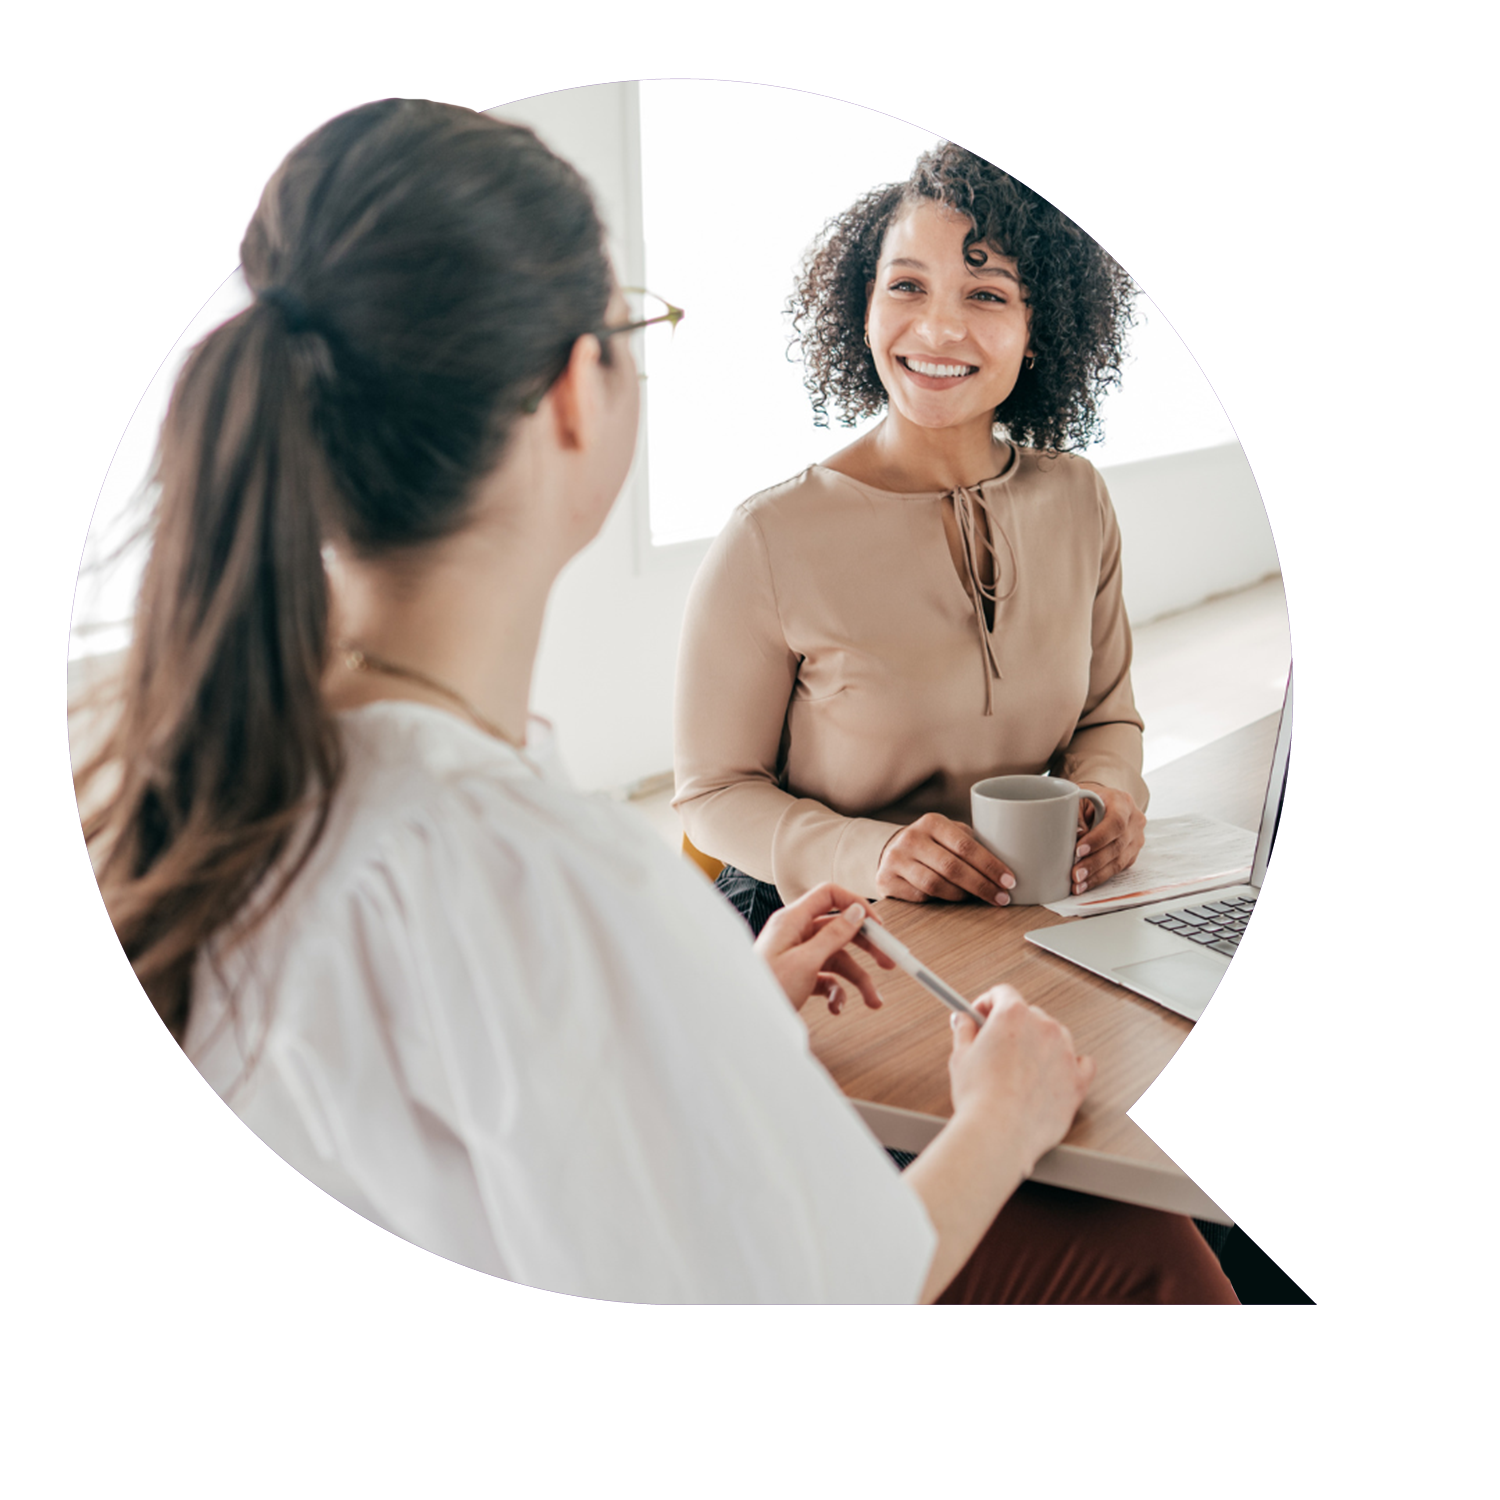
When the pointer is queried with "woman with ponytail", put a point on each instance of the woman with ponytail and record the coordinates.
(491, 1015)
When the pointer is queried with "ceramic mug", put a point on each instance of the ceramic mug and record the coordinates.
(1031, 822)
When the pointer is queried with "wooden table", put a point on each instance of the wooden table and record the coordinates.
(893, 1062)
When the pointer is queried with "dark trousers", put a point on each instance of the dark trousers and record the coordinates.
(753, 899)
(1050, 1245)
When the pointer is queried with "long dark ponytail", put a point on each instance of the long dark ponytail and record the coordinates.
(421, 272)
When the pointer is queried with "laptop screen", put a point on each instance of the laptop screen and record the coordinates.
(1270, 813)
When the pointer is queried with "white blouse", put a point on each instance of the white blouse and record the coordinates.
(505, 1022)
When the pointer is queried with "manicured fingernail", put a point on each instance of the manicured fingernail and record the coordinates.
(1002, 899)
(1008, 881)
(1083, 851)
(855, 913)
(1083, 885)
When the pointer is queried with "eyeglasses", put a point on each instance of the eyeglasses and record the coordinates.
(648, 304)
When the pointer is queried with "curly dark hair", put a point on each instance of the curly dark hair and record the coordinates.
(1080, 300)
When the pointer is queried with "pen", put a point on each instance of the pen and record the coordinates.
(905, 959)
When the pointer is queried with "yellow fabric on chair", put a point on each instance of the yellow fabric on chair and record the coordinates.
(706, 863)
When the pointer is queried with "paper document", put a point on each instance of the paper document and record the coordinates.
(1181, 856)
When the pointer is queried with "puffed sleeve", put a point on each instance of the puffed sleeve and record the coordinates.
(1106, 747)
(526, 1041)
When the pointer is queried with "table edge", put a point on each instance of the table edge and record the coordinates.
(1165, 1187)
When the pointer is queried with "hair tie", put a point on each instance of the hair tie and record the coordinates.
(292, 308)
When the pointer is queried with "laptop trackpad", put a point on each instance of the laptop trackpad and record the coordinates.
(1184, 982)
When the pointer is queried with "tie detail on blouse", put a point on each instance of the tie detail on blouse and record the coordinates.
(977, 528)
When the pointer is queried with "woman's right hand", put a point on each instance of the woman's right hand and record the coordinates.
(936, 859)
(1020, 1068)
(806, 946)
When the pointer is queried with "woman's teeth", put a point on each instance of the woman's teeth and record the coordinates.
(938, 372)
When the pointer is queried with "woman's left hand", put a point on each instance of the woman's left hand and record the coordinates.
(807, 946)
(1110, 844)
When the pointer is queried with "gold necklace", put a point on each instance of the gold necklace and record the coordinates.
(358, 660)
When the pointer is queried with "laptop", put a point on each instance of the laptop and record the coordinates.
(1175, 952)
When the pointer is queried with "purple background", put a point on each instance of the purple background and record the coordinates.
(1205, 191)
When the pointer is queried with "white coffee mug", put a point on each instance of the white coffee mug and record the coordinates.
(1031, 822)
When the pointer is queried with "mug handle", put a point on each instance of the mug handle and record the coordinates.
(1098, 802)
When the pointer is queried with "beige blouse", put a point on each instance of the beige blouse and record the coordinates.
(839, 677)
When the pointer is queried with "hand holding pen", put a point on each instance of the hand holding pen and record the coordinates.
(1013, 1070)
(1012, 1066)
(1019, 1075)
(1009, 1060)
(806, 946)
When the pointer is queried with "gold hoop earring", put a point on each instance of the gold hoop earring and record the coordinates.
(867, 339)
(1031, 361)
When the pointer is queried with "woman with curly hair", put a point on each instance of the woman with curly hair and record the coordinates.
(940, 601)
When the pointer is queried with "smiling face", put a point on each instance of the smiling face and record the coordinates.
(948, 336)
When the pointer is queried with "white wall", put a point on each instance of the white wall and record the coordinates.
(1192, 525)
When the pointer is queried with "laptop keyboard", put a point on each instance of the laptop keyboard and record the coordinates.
(1217, 925)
